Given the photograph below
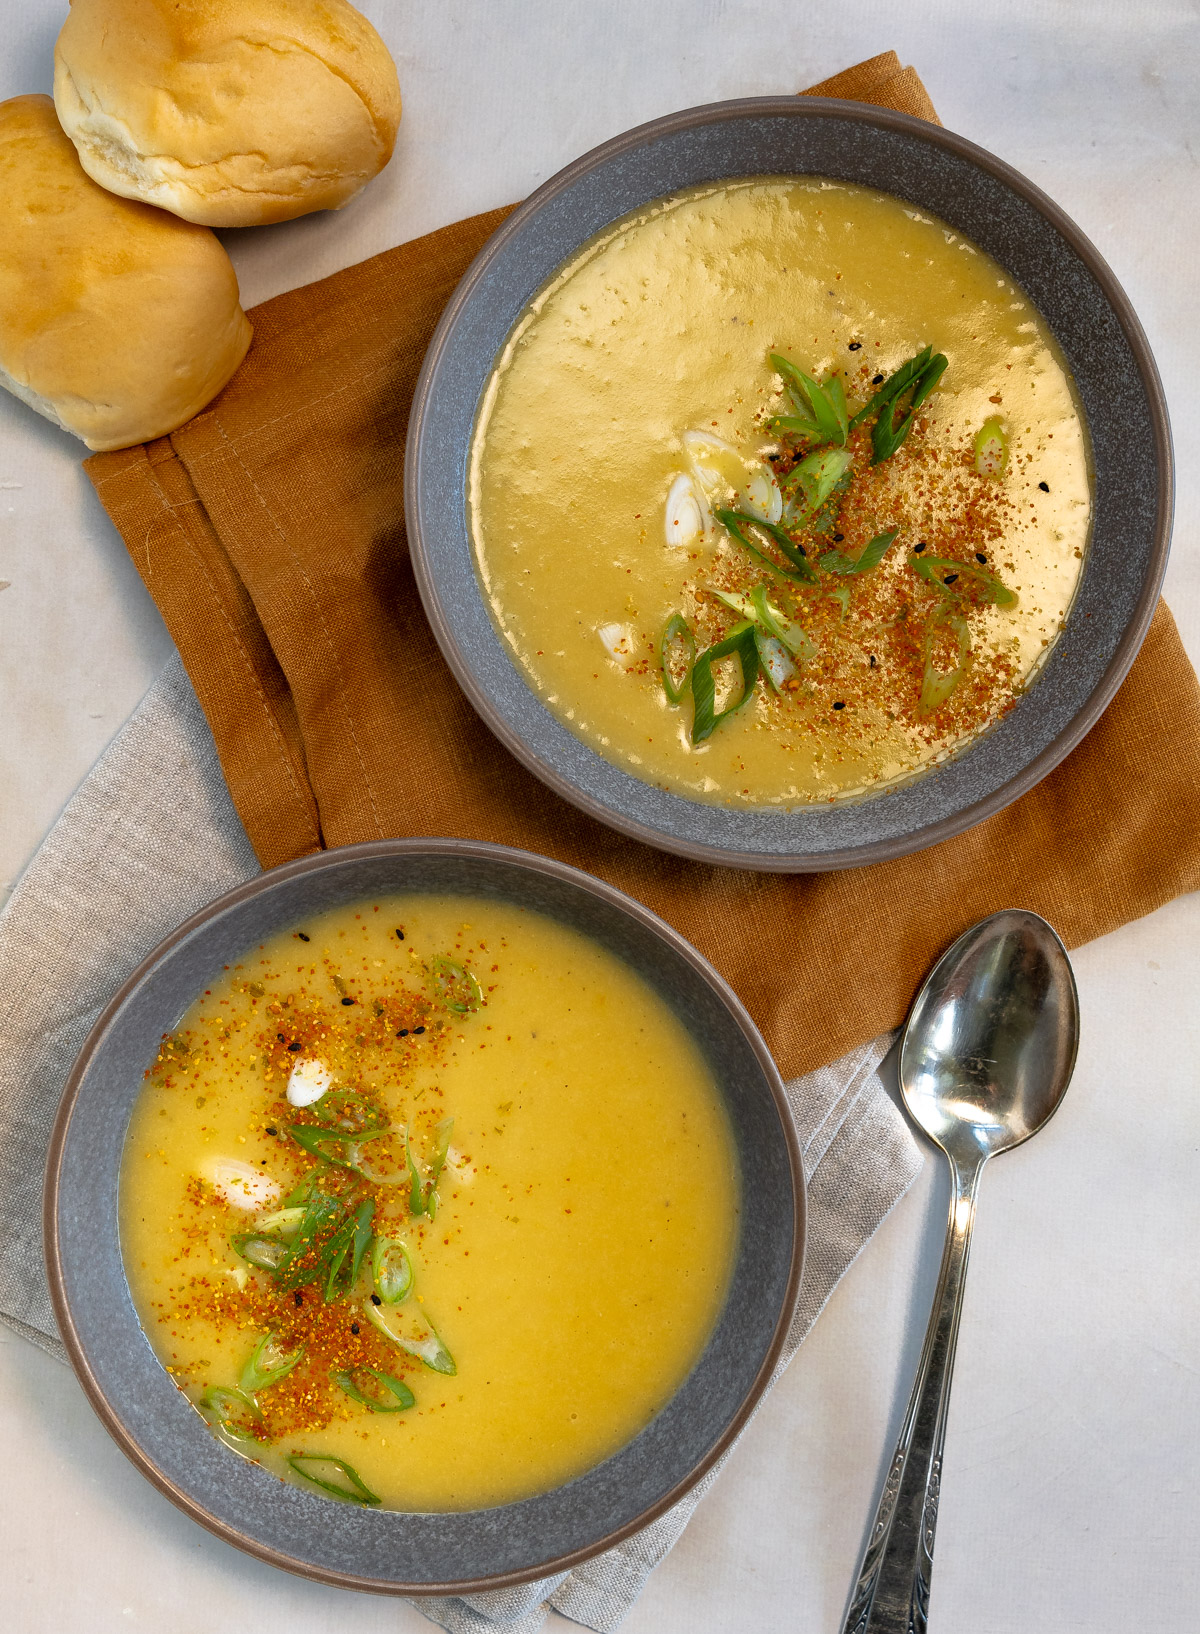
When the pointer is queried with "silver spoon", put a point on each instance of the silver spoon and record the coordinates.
(987, 1053)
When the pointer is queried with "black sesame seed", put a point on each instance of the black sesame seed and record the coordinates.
(418, 1029)
(878, 380)
(375, 1299)
(950, 578)
(347, 1001)
(294, 1046)
(839, 706)
(302, 936)
(838, 537)
(299, 1297)
(872, 660)
(918, 547)
(403, 1033)
(855, 346)
(400, 934)
(1044, 486)
(354, 1327)
(980, 557)
(282, 1039)
(271, 1129)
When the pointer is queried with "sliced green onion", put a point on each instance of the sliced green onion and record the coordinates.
(739, 643)
(333, 1475)
(267, 1253)
(455, 986)
(392, 1270)
(220, 1406)
(833, 561)
(777, 624)
(404, 1397)
(312, 1246)
(285, 1222)
(773, 657)
(817, 475)
(737, 522)
(268, 1364)
(918, 376)
(318, 1142)
(904, 377)
(936, 684)
(375, 1170)
(677, 634)
(416, 1190)
(406, 1326)
(826, 404)
(991, 448)
(363, 1217)
(352, 1113)
(935, 569)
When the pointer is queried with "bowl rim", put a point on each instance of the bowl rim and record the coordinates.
(400, 848)
(886, 848)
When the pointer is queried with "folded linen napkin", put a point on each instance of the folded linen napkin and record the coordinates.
(270, 532)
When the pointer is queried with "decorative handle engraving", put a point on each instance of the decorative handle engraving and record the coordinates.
(891, 1595)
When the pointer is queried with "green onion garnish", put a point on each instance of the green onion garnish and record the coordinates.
(226, 1410)
(363, 1217)
(773, 658)
(404, 1397)
(268, 1364)
(267, 1253)
(918, 376)
(314, 1243)
(739, 643)
(737, 522)
(770, 620)
(392, 1270)
(676, 655)
(406, 1326)
(455, 986)
(826, 419)
(816, 476)
(991, 448)
(350, 1111)
(833, 561)
(333, 1475)
(285, 1222)
(320, 1142)
(936, 570)
(937, 685)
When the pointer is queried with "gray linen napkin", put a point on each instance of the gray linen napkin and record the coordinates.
(150, 837)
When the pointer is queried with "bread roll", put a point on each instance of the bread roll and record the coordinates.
(117, 322)
(227, 112)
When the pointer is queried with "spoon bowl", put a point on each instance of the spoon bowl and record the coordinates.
(990, 1043)
(986, 1057)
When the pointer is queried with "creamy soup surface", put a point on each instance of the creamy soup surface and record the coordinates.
(553, 1259)
(636, 398)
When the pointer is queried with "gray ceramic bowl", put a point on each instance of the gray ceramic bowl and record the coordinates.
(1076, 293)
(365, 1549)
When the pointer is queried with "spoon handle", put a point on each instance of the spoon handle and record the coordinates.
(891, 1595)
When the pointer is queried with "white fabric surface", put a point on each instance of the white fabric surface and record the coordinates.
(150, 837)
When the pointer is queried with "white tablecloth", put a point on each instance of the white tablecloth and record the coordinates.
(1070, 1497)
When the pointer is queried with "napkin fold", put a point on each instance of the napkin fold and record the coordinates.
(270, 531)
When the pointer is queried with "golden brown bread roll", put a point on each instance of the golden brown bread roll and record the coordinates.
(117, 322)
(232, 113)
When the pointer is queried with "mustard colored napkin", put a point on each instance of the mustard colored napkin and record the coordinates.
(270, 531)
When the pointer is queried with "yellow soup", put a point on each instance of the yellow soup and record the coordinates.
(649, 414)
(511, 1134)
